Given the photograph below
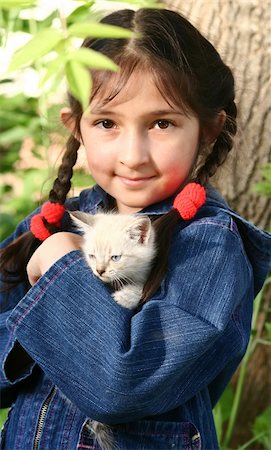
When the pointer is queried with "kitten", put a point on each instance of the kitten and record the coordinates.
(120, 250)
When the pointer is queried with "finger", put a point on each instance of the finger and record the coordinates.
(33, 279)
(33, 272)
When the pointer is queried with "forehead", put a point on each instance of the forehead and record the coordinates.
(118, 90)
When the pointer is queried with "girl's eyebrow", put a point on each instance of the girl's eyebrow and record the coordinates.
(162, 112)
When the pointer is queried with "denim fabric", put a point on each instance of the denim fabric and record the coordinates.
(153, 374)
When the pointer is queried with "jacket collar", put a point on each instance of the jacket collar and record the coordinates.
(95, 199)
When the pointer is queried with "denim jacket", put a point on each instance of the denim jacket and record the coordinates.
(69, 352)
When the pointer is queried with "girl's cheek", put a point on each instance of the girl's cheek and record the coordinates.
(98, 162)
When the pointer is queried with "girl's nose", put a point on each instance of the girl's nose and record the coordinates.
(134, 151)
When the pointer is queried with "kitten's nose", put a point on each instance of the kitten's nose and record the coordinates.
(100, 271)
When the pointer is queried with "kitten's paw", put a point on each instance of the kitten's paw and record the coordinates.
(128, 297)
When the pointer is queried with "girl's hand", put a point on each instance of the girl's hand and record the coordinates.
(52, 249)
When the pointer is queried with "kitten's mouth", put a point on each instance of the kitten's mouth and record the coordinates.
(104, 278)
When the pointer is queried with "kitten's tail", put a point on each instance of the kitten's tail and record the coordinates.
(103, 434)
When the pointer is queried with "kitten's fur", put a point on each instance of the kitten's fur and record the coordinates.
(120, 249)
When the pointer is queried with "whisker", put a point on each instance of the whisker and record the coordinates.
(117, 281)
(125, 278)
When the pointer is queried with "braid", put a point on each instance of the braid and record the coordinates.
(62, 183)
(165, 224)
(221, 148)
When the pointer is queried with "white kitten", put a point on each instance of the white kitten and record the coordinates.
(120, 249)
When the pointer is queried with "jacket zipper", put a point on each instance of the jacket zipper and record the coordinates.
(42, 416)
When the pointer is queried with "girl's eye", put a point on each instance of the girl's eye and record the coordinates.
(115, 257)
(163, 124)
(107, 124)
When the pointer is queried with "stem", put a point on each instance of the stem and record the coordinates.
(63, 20)
(242, 373)
(237, 398)
(255, 438)
(10, 22)
(263, 341)
(2, 28)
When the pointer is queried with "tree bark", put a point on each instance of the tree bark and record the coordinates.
(240, 30)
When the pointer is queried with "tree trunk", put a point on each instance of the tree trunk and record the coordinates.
(240, 30)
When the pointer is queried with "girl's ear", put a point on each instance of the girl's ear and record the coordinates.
(68, 120)
(211, 132)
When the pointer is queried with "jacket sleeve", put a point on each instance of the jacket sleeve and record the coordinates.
(21, 363)
(118, 365)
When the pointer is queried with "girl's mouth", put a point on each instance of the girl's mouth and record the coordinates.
(134, 182)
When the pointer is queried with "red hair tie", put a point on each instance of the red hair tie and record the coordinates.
(52, 213)
(189, 200)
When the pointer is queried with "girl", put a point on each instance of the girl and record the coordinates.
(70, 352)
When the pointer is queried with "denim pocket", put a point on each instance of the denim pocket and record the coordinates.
(195, 438)
(147, 435)
(152, 435)
(86, 440)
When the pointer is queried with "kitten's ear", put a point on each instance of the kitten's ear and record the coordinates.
(82, 220)
(140, 230)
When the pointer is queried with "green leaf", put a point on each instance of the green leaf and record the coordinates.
(217, 413)
(8, 4)
(79, 81)
(3, 412)
(53, 68)
(264, 186)
(79, 14)
(268, 328)
(41, 44)
(98, 30)
(93, 59)
(15, 134)
(226, 402)
(261, 427)
(142, 3)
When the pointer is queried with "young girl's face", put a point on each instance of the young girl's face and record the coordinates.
(139, 148)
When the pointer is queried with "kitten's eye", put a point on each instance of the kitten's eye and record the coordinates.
(115, 257)
(91, 256)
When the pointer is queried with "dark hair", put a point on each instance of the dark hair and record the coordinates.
(187, 70)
